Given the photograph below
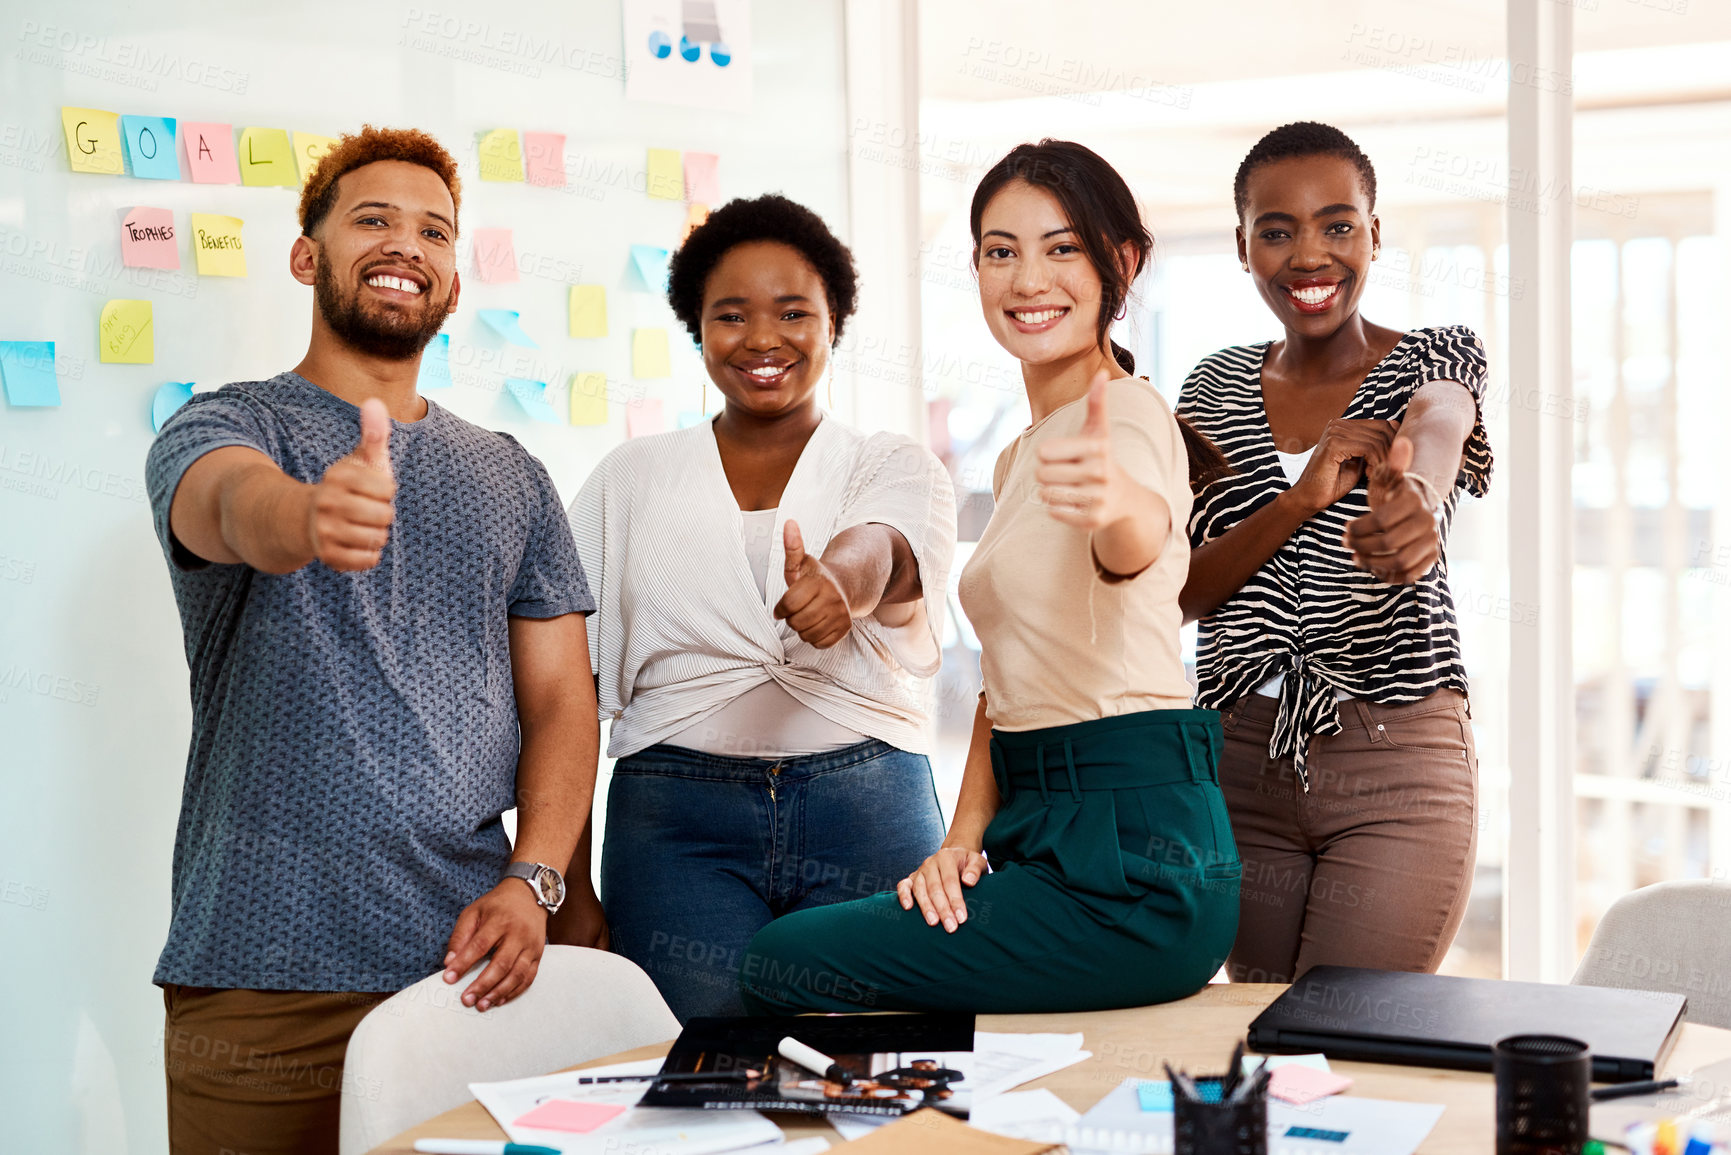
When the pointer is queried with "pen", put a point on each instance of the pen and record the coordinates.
(479, 1147)
(738, 1075)
(813, 1060)
(1625, 1090)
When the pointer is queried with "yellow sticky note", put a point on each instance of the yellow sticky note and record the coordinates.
(501, 155)
(267, 158)
(588, 311)
(309, 147)
(93, 140)
(127, 336)
(589, 399)
(217, 243)
(649, 353)
(666, 175)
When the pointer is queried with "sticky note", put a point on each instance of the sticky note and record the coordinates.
(695, 214)
(150, 147)
(435, 364)
(703, 177)
(532, 396)
(495, 256)
(569, 1115)
(666, 175)
(589, 399)
(501, 155)
(588, 311)
(650, 265)
(309, 147)
(545, 154)
(28, 370)
(168, 398)
(504, 323)
(690, 417)
(126, 336)
(93, 140)
(147, 239)
(216, 242)
(1300, 1085)
(210, 152)
(1154, 1095)
(649, 353)
(267, 158)
(644, 417)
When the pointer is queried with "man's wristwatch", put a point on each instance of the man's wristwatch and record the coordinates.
(547, 883)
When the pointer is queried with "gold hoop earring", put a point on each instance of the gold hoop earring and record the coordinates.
(829, 392)
(703, 397)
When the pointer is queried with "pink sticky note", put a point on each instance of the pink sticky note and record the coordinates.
(147, 239)
(1299, 1085)
(643, 417)
(569, 1115)
(545, 153)
(210, 152)
(703, 177)
(495, 257)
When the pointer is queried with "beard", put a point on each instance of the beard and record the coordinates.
(371, 327)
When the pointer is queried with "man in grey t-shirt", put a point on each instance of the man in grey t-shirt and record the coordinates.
(384, 619)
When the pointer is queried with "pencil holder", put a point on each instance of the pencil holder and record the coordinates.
(1216, 1122)
(1541, 1094)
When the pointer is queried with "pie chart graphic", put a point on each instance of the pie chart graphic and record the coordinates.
(660, 45)
(688, 50)
(721, 54)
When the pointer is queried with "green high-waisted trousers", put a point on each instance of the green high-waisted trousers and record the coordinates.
(1114, 883)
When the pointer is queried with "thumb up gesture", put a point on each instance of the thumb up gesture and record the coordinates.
(1079, 482)
(351, 511)
(1398, 539)
(814, 604)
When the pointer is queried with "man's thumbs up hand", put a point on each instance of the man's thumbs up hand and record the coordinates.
(350, 514)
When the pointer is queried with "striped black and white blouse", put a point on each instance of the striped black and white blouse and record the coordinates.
(1307, 613)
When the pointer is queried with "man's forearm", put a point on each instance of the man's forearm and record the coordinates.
(555, 788)
(264, 520)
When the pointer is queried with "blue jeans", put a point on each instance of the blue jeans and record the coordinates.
(703, 851)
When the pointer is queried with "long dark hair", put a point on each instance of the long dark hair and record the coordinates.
(1102, 210)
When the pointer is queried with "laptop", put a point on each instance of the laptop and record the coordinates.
(1423, 1020)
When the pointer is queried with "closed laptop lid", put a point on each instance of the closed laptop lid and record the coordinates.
(1454, 1021)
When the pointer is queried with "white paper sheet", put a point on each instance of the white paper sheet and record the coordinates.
(641, 1130)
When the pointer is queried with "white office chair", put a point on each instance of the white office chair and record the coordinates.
(1671, 936)
(415, 1054)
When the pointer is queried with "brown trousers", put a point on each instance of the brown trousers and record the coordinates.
(1373, 865)
(257, 1072)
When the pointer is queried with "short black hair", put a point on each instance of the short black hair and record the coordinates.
(770, 217)
(1302, 138)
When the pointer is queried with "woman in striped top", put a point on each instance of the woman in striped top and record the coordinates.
(1328, 636)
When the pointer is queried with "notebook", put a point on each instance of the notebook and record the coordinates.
(1427, 1020)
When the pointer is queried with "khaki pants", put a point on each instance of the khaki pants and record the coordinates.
(1373, 866)
(257, 1072)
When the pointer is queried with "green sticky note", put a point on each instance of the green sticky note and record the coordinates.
(502, 155)
(267, 158)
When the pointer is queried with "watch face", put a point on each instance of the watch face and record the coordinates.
(550, 886)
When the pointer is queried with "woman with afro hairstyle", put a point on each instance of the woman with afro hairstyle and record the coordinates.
(1328, 637)
(771, 588)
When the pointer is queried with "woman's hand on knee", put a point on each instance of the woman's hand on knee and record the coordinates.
(937, 885)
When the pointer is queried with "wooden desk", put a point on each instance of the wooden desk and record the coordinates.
(1197, 1033)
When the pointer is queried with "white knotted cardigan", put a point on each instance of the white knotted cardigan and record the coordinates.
(681, 630)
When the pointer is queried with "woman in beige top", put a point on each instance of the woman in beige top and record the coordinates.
(1090, 791)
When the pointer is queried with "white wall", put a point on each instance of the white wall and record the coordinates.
(91, 769)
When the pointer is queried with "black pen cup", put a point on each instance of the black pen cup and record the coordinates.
(1542, 1083)
(1201, 1127)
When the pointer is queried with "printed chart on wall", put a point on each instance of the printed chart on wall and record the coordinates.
(690, 52)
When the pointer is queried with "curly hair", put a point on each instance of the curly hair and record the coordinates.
(1302, 138)
(352, 150)
(766, 218)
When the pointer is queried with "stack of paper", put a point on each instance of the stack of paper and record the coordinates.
(589, 1119)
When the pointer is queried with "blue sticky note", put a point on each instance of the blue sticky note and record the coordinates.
(435, 364)
(650, 264)
(1154, 1096)
(150, 147)
(690, 417)
(532, 396)
(504, 323)
(168, 398)
(28, 369)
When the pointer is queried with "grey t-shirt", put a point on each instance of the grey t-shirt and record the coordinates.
(354, 735)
